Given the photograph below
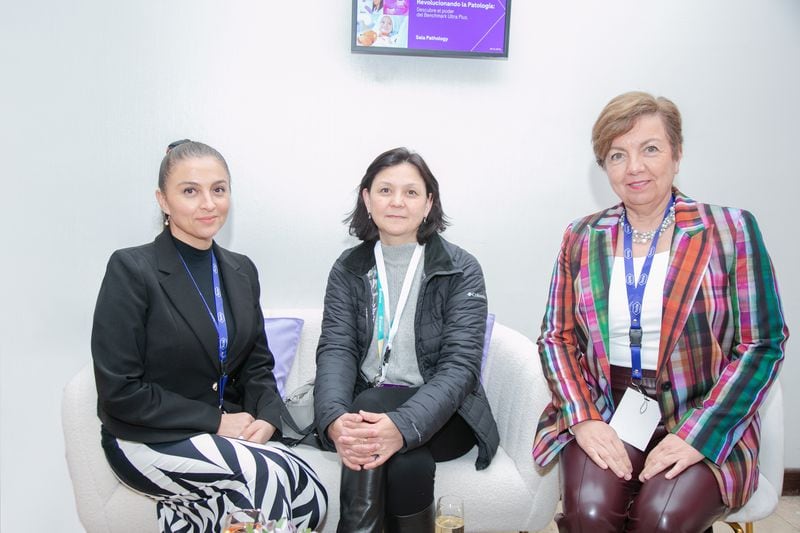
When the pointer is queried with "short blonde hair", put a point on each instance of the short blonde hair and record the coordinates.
(620, 115)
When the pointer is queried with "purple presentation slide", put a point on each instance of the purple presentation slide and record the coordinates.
(457, 26)
(445, 26)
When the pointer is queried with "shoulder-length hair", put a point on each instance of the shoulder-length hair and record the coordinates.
(363, 227)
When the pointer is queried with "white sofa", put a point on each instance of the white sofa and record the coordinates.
(512, 494)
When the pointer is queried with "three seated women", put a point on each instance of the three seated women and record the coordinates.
(662, 335)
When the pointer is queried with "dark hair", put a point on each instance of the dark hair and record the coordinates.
(180, 151)
(363, 227)
(186, 149)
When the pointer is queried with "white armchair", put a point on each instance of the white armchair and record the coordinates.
(770, 465)
(99, 496)
(512, 494)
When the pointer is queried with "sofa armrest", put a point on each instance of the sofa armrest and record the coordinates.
(103, 504)
(518, 393)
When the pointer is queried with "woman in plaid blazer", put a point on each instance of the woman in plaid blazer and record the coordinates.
(711, 331)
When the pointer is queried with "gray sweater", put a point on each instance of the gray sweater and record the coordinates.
(403, 368)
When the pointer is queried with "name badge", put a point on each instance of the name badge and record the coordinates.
(636, 419)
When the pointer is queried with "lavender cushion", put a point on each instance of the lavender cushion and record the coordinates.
(283, 335)
(486, 339)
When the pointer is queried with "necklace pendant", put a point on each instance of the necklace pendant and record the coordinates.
(644, 237)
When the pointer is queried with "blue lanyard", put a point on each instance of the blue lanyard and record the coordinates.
(219, 322)
(635, 290)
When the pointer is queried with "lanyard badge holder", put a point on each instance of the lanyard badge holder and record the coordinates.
(635, 341)
(637, 415)
(383, 313)
(219, 323)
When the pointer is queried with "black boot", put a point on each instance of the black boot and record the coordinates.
(362, 500)
(421, 522)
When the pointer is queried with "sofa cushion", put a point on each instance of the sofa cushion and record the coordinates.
(283, 335)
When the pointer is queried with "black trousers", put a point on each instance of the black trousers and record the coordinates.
(410, 475)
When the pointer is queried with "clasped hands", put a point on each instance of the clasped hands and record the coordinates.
(365, 440)
(244, 426)
(600, 442)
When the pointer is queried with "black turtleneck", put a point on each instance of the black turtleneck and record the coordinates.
(199, 264)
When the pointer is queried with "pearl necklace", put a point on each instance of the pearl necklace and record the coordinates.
(643, 237)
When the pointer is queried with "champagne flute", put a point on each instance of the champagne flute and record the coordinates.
(450, 515)
(244, 521)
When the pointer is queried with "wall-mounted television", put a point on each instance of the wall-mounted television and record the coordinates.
(448, 28)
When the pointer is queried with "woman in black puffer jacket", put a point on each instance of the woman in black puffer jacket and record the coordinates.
(398, 363)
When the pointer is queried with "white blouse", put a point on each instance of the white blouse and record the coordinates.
(619, 319)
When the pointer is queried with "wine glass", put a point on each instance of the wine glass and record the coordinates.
(450, 515)
(244, 521)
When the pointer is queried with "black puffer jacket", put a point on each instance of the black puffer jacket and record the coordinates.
(449, 331)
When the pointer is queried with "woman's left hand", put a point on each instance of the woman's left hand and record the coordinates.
(388, 438)
(673, 452)
(259, 431)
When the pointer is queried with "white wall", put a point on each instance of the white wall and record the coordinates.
(93, 91)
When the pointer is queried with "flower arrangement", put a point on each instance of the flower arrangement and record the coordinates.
(270, 526)
(284, 526)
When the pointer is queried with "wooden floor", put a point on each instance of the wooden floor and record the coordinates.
(786, 519)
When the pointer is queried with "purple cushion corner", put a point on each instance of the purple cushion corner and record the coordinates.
(283, 336)
(486, 341)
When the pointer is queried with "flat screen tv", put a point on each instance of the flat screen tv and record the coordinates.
(449, 28)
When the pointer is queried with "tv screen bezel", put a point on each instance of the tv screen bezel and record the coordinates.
(419, 52)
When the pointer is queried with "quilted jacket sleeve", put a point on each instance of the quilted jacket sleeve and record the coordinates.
(337, 353)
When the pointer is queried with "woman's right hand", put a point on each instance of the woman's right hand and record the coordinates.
(233, 424)
(600, 442)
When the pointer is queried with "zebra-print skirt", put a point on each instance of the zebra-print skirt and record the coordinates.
(197, 481)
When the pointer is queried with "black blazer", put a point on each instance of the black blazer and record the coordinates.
(155, 348)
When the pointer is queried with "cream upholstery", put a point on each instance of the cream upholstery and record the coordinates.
(770, 461)
(512, 494)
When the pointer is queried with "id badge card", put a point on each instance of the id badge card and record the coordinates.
(636, 418)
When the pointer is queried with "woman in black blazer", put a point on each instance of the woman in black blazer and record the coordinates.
(185, 388)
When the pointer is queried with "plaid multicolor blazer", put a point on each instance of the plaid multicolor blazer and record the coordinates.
(722, 337)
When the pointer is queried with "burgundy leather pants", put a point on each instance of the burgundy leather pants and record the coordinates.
(596, 500)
